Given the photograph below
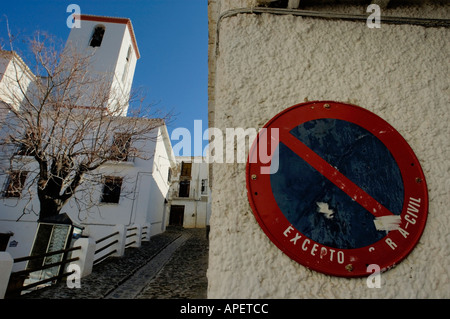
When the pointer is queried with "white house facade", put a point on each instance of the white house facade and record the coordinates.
(190, 193)
(123, 192)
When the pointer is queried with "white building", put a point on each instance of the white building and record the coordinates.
(12, 67)
(111, 44)
(266, 56)
(190, 194)
(128, 190)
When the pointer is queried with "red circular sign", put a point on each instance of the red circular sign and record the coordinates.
(337, 188)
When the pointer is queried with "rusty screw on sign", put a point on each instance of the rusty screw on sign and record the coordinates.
(327, 106)
(253, 176)
(349, 267)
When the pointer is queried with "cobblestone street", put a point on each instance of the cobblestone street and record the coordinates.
(171, 266)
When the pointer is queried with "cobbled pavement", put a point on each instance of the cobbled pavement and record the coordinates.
(156, 270)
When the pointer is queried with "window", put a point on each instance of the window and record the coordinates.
(204, 186)
(111, 189)
(120, 147)
(127, 64)
(186, 169)
(97, 36)
(169, 175)
(27, 148)
(15, 184)
(184, 189)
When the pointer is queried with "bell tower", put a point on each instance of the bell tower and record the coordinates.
(112, 45)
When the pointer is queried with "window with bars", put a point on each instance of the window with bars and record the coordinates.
(184, 189)
(15, 184)
(26, 148)
(112, 187)
(120, 147)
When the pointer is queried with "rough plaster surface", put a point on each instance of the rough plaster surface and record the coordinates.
(267, 63)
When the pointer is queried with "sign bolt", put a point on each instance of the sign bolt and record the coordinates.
(418, 180)
(349, 267)
(327, 106)
(253, 176)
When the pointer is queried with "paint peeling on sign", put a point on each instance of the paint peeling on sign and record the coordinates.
(323, 208)
(387, 223)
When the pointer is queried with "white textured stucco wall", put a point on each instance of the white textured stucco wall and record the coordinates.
(267, 63)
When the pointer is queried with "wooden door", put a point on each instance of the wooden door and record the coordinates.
(176, 215)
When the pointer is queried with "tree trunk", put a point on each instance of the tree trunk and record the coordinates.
(49, 207)
(51, 196)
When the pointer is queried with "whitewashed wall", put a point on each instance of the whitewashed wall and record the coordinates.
(109, 59)
(267, 63)
(144, 189)
(157, 210)
(12, 68)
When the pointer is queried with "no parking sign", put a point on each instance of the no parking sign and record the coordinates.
(345, 190)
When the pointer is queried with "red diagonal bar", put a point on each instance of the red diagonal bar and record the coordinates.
(333, 175)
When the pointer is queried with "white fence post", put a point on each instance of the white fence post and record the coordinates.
(85, 255)
(145, 234)
(138, 236)
(122, 238)
(6, 264)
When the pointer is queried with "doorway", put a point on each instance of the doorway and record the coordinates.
(176, 215)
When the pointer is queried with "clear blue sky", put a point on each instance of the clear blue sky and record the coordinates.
(172, 36)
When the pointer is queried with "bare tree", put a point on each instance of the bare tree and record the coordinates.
(61, 123)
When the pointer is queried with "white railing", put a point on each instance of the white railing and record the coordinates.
(88, 253)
